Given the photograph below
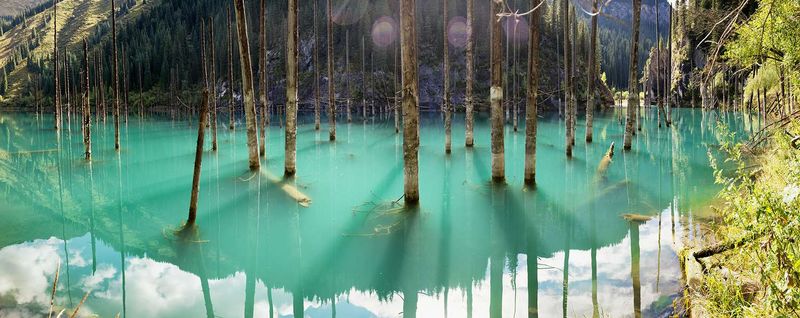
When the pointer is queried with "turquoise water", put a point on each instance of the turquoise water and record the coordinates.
(472, 248)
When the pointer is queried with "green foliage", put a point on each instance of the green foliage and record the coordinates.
(764, 203)
(772, 33)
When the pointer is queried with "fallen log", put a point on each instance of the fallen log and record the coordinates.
(724, 246)
(630, 217)
(290, 189)
(602, 168)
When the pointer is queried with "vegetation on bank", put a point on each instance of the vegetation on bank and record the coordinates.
(756, 271)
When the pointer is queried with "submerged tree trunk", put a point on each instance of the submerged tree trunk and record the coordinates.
(668, 80)
(57, 89)
(470, 74)
(446, 84)
(408, 39)
(567, 78)
(633, 89)
(496, 95)
(231, 110)
(213, 84)
(87, 112)
(247, 85)
(532, 91)
(291, 90)
(592, 75)
(331, 86)
(198, 161)
(347, 73)
(316, 70)
(262, 76)
(116, 75)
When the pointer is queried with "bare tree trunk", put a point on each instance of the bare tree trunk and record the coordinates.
(291, 89)
(331, 84)
(347, 73)
(316, 70)
(633, 87)
(57, 89)
(231, 109)
(668, 80)
(247, 85)
(125, 76)
(116, 74)
(496, 95)
(469, 120)
(102, 90)
(67, 89)
(408, 39)
(364, 81)
(213, 85)
(262, 75)
(567, 77)
(532, 92)
(198, 162)
(97, 83)
(87, 112)
(659, 96)
(395, 95)
(590, 104)
(446, 84)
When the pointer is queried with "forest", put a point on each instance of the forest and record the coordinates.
(399, 158)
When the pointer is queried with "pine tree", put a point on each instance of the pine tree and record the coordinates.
(590, 104)
(633, 86)
(446, 84)
(496, 95)
(532, 91)
(57, 88)
(469, 120)
(408, 50)
(247, 86)
(87, 113)
(291, 89)
(331, 86)
(116, 74)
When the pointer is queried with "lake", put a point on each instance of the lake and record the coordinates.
(471, 249)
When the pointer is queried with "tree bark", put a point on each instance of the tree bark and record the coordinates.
(262, 76)
(316, 70)
(331, 85)
(213, 86)
(633, 88)
(469, 120)
(668, 80)
(408, 50)
(590, 104)
(87, 112)
(565, 10)
(247, 85)
(532, 93)
(446, 84)
(116, 74)
(659, 70)
(496, 95)
(231, 110)
(57, 89)
(347, 73)
(291, 90)
(198, 162)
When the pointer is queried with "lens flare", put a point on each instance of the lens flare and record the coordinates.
(457, 32)
(384, 31)
(347, 12)
(516, 29)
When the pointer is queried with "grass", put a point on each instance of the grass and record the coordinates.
(759, 279)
